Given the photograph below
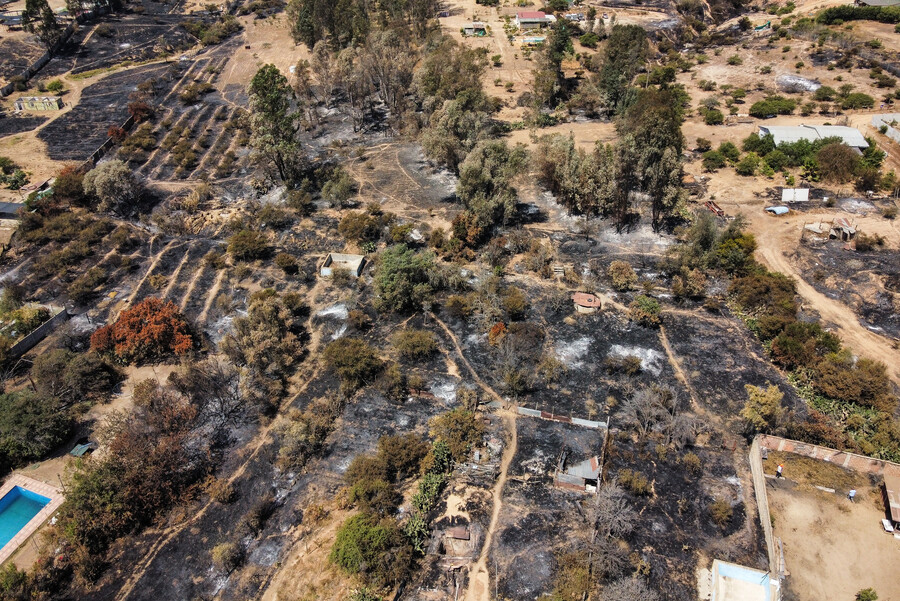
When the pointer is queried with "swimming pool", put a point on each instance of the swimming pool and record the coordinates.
(17, 508)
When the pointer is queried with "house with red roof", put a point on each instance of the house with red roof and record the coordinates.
(533, 20)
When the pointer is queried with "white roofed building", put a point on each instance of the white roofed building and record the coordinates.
(794, 133)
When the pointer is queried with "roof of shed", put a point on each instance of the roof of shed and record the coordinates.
(793, 133)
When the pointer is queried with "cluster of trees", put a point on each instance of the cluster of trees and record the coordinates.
(645, 163)
(373, 544)
(347, 22)
(854, 392)
(826, 159)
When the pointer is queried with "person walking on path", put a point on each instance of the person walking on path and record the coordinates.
(851, 494)
(778, 471)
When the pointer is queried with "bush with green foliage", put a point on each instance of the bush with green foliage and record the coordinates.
(460, 429)
(713, 160)
(248, 245)
(415, 344)
(645, 311)
(372, 548)
(402, 281)
(355, 362)
(771, 106)
(622, 275)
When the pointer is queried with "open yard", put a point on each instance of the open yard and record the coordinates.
(833, 548)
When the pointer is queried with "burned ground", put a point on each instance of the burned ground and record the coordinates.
(18, 54)
(78, 133)
(867, 282)
(10, 125)
(540, 522)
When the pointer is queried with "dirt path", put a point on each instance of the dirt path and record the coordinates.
(479, 576)
(211, 296)
(772, 253)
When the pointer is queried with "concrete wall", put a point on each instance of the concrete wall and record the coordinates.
(762, 503)
(850, 461)
(892, 132)
(30, 341)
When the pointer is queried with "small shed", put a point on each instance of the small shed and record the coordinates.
(582, 477)
(842, 229)
(795, 195)
(352, 263)
(476, 28)
(586, 302)
(891, 491)
(38, 103)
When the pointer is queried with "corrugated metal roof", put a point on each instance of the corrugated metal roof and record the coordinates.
(589, 469)
(458, 532)
(531, 14)
(794, 133)
(880, 2)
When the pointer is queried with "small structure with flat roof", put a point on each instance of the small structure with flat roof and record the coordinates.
(794, 133)
(586, 302)
(533, 19)
(795, 195)
(733, 582)
(582, 477)
(38, 103)
(352, 263)
(476, 28)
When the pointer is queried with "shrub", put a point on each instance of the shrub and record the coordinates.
(401, 278)
(630, 365)
(714, 117)
(645, 311)
(287, 263)
(514, 302)
(150, 331)
(30, 427)
(703, 144)
(729, 151)
(721, 512)
(747, 166)
(857, 100)
(459, 429)
(864, 381)
(692, 462)
(867, 594)
(713, 160)
(415, 344)
(634, 481)
(622, 275)
(372, 548)
(248, 245)
(227, 556)
(354, 361)
(773, 105)
(589, 40)
(735, 60)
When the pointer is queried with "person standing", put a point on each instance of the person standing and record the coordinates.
(778, 471)
(851, 494)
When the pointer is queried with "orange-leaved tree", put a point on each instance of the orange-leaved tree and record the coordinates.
(150, 331)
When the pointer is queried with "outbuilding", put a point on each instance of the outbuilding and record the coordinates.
(476, 28)
(38, 103)
(891, 493)
(586, 302)
(352, 263)
(787, 134)
(533, 19)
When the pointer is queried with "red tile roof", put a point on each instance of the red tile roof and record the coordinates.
(531, 14)
(584, 299)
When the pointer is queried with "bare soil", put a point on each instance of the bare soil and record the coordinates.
(833, 548)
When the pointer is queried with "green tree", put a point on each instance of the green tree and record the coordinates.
(837, 162)
(459, 429)
(374, 549)
(625, 52)
(762, 412)
(38, 18)
(274, 124)
(401, 279)
(354, 361)
(30, 426)
(115, 186)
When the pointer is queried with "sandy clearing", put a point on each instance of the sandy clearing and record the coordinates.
(834, 548)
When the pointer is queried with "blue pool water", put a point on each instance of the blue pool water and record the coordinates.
(17, 507)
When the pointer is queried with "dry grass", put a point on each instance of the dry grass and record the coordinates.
(814, 472)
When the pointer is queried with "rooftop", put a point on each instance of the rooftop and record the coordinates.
(733, 582)
(530, 14)
(585, 299)
(793, 133)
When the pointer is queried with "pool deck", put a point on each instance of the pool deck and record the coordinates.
(51, 492)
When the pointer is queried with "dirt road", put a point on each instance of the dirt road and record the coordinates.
(777, 236)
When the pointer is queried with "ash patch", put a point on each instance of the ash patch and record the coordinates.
(651, 360)
(572, 353)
